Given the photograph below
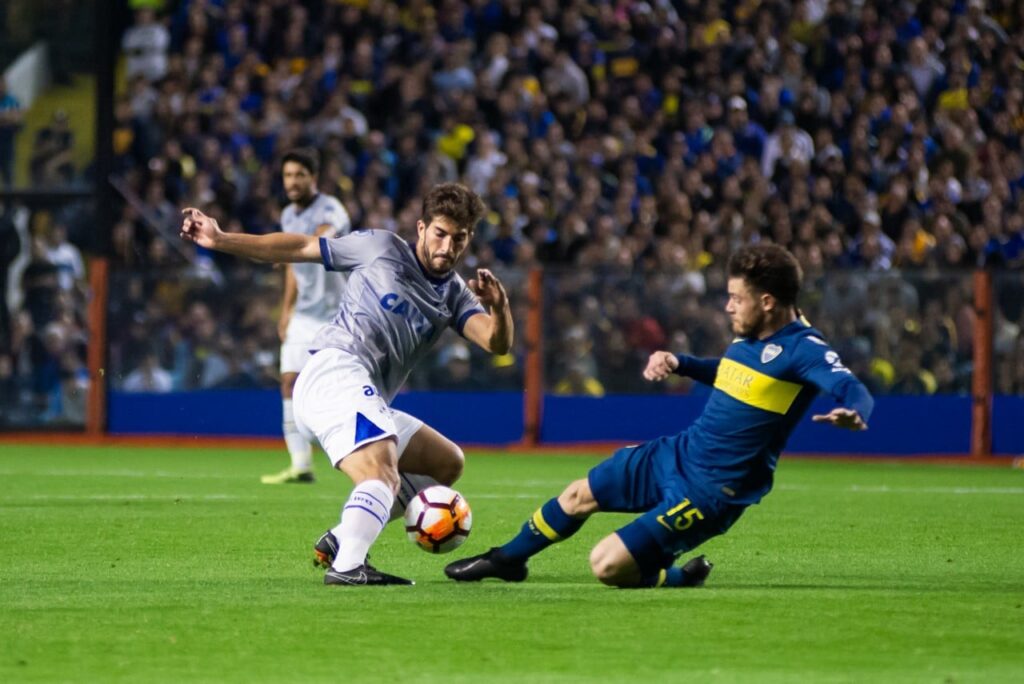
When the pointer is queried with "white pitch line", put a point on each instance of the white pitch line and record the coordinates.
(123, 473)
(886, 489)
(203, 497)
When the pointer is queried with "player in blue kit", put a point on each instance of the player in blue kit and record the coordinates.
(694, 485)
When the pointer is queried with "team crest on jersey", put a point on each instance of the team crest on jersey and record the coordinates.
(770, 353)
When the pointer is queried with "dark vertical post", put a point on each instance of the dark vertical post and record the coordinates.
(105, 60)
(981, 381)
(533, 396)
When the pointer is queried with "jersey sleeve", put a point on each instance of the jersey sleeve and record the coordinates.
(701, 370)
(334, 215)
(355, 249)
(818, 364)
(466, 305)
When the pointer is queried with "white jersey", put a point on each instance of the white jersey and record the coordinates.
(392, 311)
(318, 291)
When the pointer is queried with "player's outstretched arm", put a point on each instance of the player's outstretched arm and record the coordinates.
(204, 231)
(492, 331)
(662, 364)
(820, 365)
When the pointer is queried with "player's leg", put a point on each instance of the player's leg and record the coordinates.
(299, 449)
(642, 553)
(425, 458)
(336, 402)
(619, 483)
(373, 469)
(294, 355)
(557, 520)
(428, 452)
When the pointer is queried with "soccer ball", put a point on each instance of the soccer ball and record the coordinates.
(438, 519)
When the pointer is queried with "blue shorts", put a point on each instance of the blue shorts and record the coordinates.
(677, 516)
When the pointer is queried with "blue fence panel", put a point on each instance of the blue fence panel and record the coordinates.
(466, 417)
(903, 425)
(1008, 425)
(233, 413)
(900, 425)
(493, 418)
(616, 418)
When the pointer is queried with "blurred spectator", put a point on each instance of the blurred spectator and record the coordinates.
(578, 380)
(145, 46)
(66, 257)
(149, 376)
(454, 371)
(10, 248)
(51, 162)
(10, 122)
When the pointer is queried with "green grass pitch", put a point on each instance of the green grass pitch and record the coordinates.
(170, 565)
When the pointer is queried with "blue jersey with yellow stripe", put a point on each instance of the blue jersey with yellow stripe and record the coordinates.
(762, 388)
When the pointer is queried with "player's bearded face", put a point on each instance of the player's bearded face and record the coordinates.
(441, 244)
(745, 309)
(299, 184)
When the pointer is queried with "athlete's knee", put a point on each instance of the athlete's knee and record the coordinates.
(612, 563)
(451, 467)
(604, 566)
(577, 500)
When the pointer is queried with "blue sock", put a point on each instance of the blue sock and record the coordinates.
(548, 524)
(671, 576)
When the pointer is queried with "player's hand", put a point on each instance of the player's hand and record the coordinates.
(845, 418)
(488, 289)
(660, 365)
(199, 228)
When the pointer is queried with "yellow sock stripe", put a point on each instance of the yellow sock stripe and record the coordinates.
(541, 524)
(662, 576)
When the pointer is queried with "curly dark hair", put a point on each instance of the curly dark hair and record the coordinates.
(456, 202)
(768, 268)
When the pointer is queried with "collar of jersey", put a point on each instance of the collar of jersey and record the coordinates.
(787, 329)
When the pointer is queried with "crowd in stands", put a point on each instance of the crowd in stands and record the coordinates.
(624, 146)
(43, 327)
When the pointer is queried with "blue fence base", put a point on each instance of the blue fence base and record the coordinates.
(467, 417)
(901, 425)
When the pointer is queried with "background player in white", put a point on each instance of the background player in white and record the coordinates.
(310, 298)
(398, 301)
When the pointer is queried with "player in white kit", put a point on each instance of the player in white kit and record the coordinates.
(398, 301)
(310, 299)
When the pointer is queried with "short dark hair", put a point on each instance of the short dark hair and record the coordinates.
(456, 202)
(307, 156)
(768, 268)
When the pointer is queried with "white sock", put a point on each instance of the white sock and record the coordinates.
(409, 485)
(298, 447)
(363, 517)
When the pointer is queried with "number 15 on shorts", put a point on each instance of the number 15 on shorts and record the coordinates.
(680, 517)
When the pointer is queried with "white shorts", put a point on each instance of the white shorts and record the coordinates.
(337, 402)
(298, 340)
